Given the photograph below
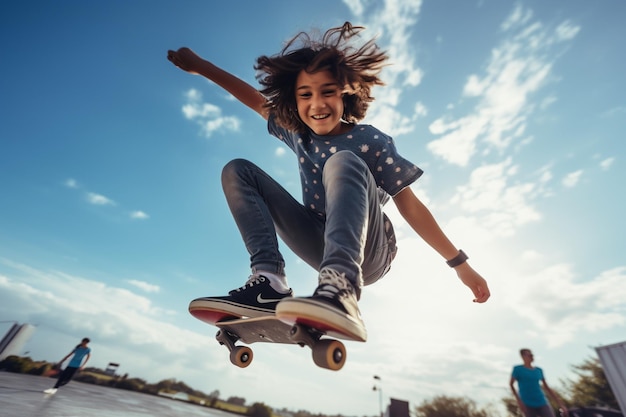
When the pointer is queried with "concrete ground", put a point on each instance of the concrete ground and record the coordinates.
(22, 396)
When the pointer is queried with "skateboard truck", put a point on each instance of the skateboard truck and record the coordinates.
(327, 353)
(239, 355)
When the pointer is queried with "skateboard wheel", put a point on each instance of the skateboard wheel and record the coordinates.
(241, 356)
(329, 354)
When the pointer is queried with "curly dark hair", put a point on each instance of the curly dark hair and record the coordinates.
(355, 68)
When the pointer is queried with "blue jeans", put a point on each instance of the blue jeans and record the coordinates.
(354, 237)
(65, 376)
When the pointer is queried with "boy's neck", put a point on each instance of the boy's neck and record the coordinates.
(343, 127)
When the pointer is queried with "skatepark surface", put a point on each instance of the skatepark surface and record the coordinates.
(22, 396)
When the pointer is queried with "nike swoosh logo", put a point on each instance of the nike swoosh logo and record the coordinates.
(262, 300)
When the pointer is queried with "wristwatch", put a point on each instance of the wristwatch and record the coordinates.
(458, 259)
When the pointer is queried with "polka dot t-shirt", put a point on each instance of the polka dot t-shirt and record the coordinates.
(391, 172)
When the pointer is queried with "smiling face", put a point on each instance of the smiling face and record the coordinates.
(320, 103)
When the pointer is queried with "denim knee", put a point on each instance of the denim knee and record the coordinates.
(236, 172)
(343, 160)
(234, 168)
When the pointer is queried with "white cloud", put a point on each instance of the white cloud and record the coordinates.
(145, 286)
(391, 121)
(420, 109)
(572, 179)
(71, 183)
(606, 164)
(396, 20)
(546, 102)
(519, 16)
(499, 206)
(567, 31)
(615, 111)
(356, 6)
(467, 345)
(518, 67)
(200, 110)
(139, 215)
(229, 123)
(120, 323)
(457, 146)
(99, 200)
(393, 22)
(207, 115)
(560, 305)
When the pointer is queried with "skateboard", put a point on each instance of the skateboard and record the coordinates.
(327, 352)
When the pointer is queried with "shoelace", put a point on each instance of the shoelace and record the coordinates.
(331, 283)
(335, 285)
(251, 282)
(327, 290)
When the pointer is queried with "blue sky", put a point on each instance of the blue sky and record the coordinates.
(112, 217)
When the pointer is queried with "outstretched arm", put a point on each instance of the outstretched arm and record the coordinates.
(187, 60)
(67, 356)
(422, 221)
(555, 398)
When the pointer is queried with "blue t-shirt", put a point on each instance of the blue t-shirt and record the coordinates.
(79, 353)
(528, 383)
(391, 172)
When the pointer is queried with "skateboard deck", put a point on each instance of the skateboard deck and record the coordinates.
(327, 353)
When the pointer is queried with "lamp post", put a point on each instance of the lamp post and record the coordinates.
(378, 387)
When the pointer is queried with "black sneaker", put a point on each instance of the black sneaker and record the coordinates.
(256, 298)
(332, 308)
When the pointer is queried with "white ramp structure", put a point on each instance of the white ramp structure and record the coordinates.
(15, 339)
(613, 359)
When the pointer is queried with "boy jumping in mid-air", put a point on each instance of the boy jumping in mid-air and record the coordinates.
(314, 93)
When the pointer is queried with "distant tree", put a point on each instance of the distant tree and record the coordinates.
(213, 397)
(259, 410)
(590, 388)
(88, 379)
(236, 400)
(22, 365)
(444, 406)
(174, 385)
(511, 406)
(131, 384)
(165, 385)
(15, 364)
(38, 369)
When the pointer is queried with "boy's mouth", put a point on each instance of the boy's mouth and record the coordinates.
(320, 116)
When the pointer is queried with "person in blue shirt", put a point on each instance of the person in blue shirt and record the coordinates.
(80, 352)
(314, 94)
(531, 398)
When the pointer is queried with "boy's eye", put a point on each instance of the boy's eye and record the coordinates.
(331, 92)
